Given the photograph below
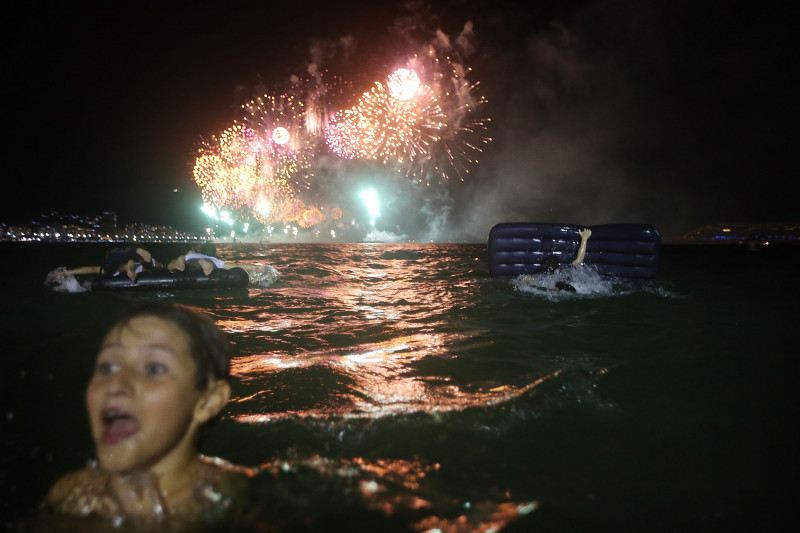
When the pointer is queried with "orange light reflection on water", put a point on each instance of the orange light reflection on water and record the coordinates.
(368, 335)
(391, 487)
(384, 381)
(369, 329)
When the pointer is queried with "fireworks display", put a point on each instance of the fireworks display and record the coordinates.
(383, 127)
(421, 120)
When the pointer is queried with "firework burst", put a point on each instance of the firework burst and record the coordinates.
(422, 121)
(236, 172)
(386, 128)
(226, 169)
(279, 123)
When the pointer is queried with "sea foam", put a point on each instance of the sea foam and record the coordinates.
(59, 280)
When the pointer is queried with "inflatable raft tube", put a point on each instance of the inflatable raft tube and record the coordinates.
(219, 278)
(631, 251)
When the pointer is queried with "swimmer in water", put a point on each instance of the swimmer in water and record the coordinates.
(161, 378)
(550, 263)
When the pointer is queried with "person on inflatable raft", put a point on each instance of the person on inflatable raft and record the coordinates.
(205, 259)
(130, 261)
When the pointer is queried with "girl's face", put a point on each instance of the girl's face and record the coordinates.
(142, 399)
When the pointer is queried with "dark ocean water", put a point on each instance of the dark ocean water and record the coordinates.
(388, 386)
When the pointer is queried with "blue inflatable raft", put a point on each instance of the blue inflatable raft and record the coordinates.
(631, 251)
(219, 278)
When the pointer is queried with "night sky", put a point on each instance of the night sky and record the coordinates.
(671, 113)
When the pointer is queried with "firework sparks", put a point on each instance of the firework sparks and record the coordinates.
(383, 127)
(235, 172)
(422, 122)
(403, 84)
(281, 135)
(464, 132)
(225, 170)
(278, 121)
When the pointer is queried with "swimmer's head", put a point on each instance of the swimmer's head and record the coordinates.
(161, 377)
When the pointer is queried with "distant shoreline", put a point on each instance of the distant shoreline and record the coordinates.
(104, 229)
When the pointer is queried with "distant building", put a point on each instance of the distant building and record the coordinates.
(54, 226)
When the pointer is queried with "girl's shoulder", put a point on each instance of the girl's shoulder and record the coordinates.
(82, 492)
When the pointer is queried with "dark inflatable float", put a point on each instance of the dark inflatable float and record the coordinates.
(219, 278)
(630, 251)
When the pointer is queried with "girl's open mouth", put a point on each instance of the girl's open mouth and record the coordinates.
(118, 425)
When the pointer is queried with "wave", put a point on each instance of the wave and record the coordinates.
(264, 276)
(580, 281)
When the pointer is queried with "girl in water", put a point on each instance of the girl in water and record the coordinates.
(161, 378)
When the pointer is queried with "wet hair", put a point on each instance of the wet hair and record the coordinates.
(207, 344)
(208, 248)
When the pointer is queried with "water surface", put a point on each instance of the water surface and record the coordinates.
(400, 384)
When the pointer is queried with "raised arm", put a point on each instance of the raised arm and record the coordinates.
(585, 233)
